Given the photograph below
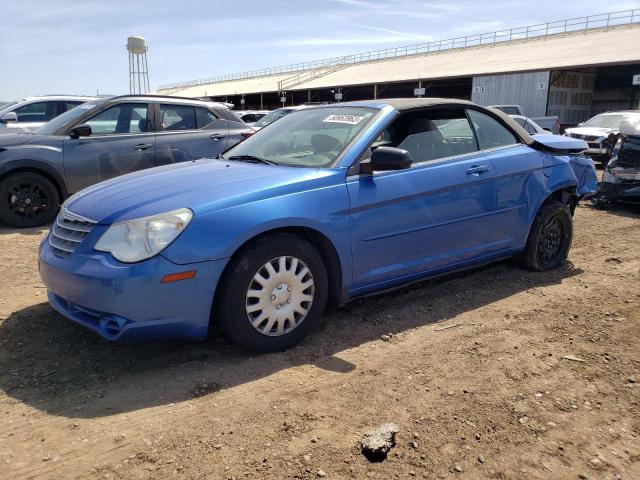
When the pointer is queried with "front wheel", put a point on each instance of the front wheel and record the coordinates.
(549, 239)
(27, 200)
(273, 294)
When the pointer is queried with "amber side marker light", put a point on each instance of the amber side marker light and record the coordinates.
(176, 277)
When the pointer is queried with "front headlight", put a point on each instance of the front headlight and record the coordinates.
(143, 238)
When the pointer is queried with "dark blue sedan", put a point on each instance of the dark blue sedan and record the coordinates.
(324, 205)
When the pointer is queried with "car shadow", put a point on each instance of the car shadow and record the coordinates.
(5, 230)
(629, 210)
(55, 366)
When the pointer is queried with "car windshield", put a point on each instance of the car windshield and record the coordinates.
(273, 116)
(610, 121)
(509, 110)
(6, 106)
(312, 137)
(61, 121)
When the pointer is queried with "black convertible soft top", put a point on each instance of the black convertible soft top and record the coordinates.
(407, 104)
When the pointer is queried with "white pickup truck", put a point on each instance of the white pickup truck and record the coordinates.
(548, 123)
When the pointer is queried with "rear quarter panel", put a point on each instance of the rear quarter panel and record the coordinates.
(557, 174)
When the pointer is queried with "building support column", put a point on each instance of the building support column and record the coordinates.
(261, 101)
(309, 96)
(375, 91)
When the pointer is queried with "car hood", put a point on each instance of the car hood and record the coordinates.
(591, 131)
(13, 138)
(202, 185)
(4, 128)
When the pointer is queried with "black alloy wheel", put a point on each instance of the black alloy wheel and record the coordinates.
(27, 200)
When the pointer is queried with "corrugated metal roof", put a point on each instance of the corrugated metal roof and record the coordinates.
(617, 45)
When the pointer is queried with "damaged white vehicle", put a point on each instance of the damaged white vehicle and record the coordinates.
(601, 132)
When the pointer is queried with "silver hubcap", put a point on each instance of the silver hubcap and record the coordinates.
(279, 296)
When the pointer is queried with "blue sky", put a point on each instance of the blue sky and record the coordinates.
(61, 46)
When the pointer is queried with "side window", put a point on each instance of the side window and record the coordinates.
(36, 112)
(204, 117)
(490, 133)
(509, 110)
(178, 117)
(431, 134)
(123, 118)
(529, 128)
(69, 105)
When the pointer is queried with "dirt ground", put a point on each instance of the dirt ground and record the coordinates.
(496, 373)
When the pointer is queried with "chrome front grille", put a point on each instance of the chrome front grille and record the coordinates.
(68, 231)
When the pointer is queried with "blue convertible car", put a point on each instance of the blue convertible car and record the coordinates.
(324, 205)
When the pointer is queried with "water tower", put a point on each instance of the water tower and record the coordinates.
(138, 68)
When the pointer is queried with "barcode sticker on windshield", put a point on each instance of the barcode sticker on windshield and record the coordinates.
(348, 119)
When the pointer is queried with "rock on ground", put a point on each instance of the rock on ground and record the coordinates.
(375, 444)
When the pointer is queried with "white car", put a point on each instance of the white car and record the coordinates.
(251, 116)
(601, 132)
(32, 112)
(530, 126)
(275, 115)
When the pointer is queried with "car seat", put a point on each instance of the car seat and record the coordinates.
(424, 141)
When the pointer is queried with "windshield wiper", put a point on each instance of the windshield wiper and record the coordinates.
(250, 159)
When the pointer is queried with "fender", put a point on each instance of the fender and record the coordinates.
(337, 237)
(11, 166)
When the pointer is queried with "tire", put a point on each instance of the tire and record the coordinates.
(550, 238)
(28, 200)
(284, 292)
(601, 203)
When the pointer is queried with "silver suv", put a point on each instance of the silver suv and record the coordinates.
(33, 112)
(102, 139)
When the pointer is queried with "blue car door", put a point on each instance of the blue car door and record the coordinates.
(516, 165)
(436, 214)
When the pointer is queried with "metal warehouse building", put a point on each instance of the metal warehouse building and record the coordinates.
(571, 68)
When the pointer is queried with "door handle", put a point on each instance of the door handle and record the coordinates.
(216, 136)
(143, 146)
(476, 170)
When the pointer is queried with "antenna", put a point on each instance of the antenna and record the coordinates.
(138, 68)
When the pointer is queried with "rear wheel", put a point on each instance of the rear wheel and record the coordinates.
(273, 294)
(27, 200)
(549, 239)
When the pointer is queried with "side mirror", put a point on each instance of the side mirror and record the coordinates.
(9, 117)
(580, 124)
(82, 130)
(387, 158)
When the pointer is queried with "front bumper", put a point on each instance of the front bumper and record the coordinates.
(127, 302)
(621, 191)
(623, 186)
(596, 151)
